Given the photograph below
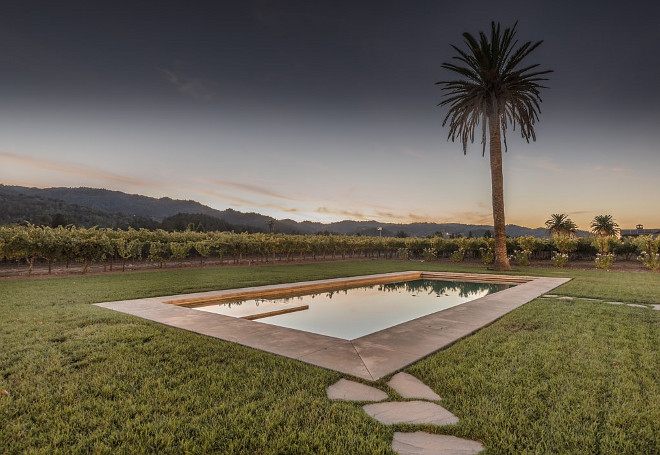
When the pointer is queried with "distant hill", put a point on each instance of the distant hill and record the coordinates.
(106, 208)
(17, 208)
(115, 201)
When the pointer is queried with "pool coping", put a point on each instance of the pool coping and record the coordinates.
(369, 357)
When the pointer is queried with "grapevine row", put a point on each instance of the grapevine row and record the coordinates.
(29, 243)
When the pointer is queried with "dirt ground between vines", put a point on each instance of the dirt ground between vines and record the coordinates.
(40, 270)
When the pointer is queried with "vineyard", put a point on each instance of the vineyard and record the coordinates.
(29, 245)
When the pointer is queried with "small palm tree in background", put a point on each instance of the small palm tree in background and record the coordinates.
(604, 225)
(561, 224)
(495, 90)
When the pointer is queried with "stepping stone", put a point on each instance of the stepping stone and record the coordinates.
(615, 303)
(637, 306)
(566, 298)
(421, 443)
(656, 307)
(354, 391)
(590, 300)
(551, 296)
(414, 412)
(409, 386)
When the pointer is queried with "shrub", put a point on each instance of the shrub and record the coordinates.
(650, 261)
(564, 244)
(605, 244)
(487, 255)
(649, 251)
(487, 252)
(604, 261)
(559, 259)
(584, 247)
(403, 254)
(528, 243)
(458, 255)
(430, 254)
(627, 249)
(521, 257)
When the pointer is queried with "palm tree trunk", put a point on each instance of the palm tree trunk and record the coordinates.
(497, 188)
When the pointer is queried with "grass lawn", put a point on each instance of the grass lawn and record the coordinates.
(554, 376)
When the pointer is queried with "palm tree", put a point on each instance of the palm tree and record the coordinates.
(494, 91)
(561, 224)
(604, 225)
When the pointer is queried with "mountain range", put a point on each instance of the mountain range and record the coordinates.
(106, 208)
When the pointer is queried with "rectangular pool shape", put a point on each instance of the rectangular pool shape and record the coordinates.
(354, 312)
(371, 356)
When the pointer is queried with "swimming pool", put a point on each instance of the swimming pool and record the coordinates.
(357, 311)
(369, 357)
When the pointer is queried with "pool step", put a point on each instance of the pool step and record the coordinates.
(252, 317)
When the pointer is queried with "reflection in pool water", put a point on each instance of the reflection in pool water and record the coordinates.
(352, 313)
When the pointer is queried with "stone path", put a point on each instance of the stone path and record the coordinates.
(409, 412)
(650, 306)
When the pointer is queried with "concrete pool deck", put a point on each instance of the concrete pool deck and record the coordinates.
(370, 357)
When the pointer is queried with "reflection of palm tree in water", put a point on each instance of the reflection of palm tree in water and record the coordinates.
(439, 287)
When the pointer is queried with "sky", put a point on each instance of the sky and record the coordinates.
(327, 110)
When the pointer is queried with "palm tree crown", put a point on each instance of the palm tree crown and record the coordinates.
(560, 224)
(604, 225)
(493, 84)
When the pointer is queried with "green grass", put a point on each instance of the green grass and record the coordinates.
(553, 376)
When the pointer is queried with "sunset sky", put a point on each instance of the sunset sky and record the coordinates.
(327, 110)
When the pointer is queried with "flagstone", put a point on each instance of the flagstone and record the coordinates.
(409, 386)
(354, 391)
(421, 443)
(415, 412)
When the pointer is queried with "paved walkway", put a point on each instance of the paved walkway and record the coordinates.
(369, 357)
(408, 412)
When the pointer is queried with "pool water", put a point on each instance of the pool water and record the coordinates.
(355, 312)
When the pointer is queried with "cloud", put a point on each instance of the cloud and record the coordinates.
(386, 215)
(351, 213)
(195, 87)
(63, 167)
(245, 187)
(471, 217)
(231, 199)
(417, 218)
